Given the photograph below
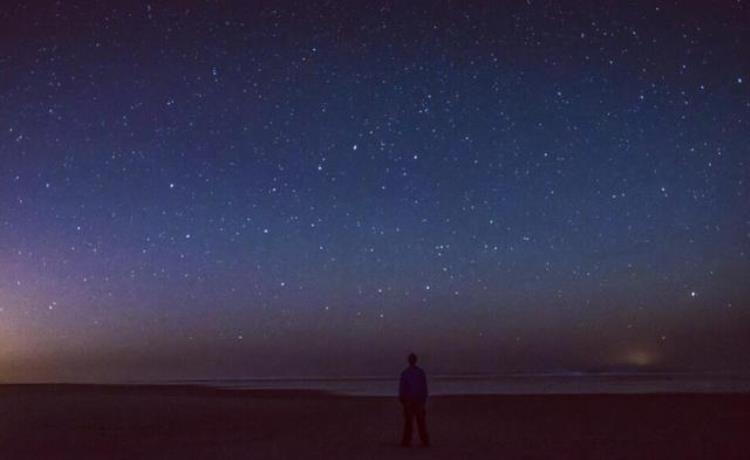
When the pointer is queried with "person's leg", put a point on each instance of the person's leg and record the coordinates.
(422, 425)
(408, 416)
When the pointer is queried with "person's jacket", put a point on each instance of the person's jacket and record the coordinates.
(413, 385)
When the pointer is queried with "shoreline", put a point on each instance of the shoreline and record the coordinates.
(442, 385)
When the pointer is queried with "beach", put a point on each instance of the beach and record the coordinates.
(171, 422)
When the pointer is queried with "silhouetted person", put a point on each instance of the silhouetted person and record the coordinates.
(412, 392)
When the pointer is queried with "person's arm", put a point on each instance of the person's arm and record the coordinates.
(423, 387)
(402, 388)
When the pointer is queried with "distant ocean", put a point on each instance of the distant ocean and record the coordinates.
(562, 383)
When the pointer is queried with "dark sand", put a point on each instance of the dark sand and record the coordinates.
(121, 422)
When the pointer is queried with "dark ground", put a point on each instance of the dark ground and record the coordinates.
(126, 422)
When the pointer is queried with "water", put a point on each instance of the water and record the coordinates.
(504, 384)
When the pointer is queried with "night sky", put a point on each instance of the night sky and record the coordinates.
(206, 190)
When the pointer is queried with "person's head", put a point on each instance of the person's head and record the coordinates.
(412, 359)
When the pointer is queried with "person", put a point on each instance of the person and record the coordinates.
(412, 392)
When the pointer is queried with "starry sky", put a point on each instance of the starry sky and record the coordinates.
(252, 189)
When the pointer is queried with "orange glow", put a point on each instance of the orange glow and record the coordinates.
(640, 357)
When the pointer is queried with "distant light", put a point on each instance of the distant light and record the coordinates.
(693, 294)
(640, 358)
(354, 147)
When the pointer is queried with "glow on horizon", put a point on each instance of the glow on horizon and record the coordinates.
(641, 357)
